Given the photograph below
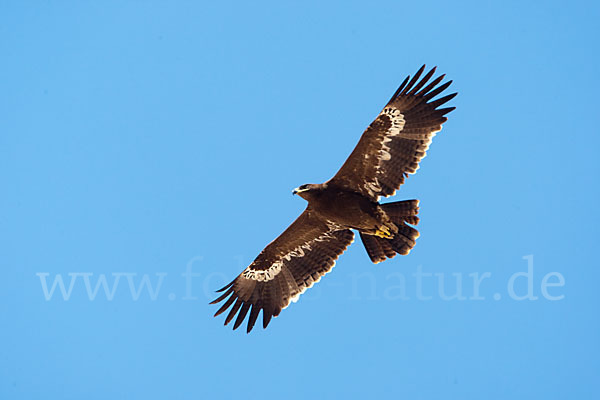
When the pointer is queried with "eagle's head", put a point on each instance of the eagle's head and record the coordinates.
(308, 190)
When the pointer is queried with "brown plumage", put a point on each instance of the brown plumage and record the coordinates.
(389, 149)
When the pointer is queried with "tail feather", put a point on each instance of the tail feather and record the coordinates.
(377, 249)
(401, 213)
(402, 209)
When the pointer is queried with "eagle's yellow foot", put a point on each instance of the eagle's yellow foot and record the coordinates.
(384, 232)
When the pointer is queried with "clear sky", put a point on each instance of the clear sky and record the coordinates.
(154, 145)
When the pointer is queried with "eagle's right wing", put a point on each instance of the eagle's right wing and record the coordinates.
(396, 141)
(288, 266)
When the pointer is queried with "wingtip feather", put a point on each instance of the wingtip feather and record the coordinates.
(253, 317)
(404, 82)
(225, 305)
(225, 287)
(413, 80)
(241, 316)
(233, 311)
(222, 297)
(266, 318)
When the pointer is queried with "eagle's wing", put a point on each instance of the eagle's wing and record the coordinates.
(396, 141)
(288, 266)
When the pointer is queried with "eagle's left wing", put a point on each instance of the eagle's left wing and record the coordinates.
(394, 144)
(288, 266)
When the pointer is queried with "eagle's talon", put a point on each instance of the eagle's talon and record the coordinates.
(384, 232)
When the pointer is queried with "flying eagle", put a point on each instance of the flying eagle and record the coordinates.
(389, 149)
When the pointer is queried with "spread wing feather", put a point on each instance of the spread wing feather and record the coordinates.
(396, 141)
(288, 266)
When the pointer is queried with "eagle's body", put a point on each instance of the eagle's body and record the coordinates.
(345, 208)
(389, 149)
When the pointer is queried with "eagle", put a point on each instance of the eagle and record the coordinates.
(388, 151)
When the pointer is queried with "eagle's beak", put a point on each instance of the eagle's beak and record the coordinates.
(295, 191)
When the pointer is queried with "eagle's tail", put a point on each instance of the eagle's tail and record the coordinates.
(401, 213)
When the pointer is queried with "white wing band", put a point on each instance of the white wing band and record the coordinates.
(397, 124)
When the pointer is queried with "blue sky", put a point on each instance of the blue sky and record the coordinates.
(158, 143)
